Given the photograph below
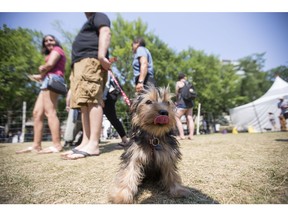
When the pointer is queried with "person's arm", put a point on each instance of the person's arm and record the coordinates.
(176, 91)
(53, 59)
(143, 68)
(143, 73)
(104, 43)
(177, 87)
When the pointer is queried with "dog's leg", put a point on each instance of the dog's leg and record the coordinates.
(172, 181)
(127, 181)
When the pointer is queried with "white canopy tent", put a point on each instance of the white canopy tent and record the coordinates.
(255, 114)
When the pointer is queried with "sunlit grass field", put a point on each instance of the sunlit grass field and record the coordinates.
(218, 168)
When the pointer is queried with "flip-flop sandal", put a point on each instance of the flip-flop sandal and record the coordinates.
(71, 151)
(49, 150)
(27, 150)
(67, 153)
(84, 154)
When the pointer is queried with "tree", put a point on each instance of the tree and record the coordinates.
(255, 81)
(230, 84)
(19, 55)
(281, 71)
(204, 71)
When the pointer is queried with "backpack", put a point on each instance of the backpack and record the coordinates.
(188, 92)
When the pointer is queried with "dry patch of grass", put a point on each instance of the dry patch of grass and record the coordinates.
(238, 169)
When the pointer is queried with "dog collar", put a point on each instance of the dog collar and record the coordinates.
(155, 143)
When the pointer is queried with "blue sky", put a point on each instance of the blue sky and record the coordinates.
(226, 35)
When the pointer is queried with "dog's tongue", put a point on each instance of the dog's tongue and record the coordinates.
(162, 119)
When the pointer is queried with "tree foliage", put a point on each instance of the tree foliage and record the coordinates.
(20, 55)
(215, 83)
(281, 71)
(255, 81)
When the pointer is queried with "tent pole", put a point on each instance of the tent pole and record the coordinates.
(257, 117)
(23, 122)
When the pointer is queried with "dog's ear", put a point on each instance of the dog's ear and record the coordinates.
(167, 88)
(167, 95)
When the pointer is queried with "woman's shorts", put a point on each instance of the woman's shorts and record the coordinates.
(46, 80)
(149, 81)
(183, 106)
(87, 83)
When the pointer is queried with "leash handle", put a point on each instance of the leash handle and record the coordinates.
(113, 59)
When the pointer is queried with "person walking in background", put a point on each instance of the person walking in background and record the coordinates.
(272, 120)
(283, 106)
(142, 65)
(73, 135)
(90, 64)
(46, 103)
(110, 96)
(183, 108)
(73, 123)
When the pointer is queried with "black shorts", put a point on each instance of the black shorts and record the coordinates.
(148, 81)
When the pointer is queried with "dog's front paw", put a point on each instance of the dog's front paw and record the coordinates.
(121, 197)
(180, 191)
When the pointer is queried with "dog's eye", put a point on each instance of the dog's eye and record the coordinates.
(148, 102)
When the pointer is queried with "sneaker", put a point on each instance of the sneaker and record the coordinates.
(121, 145)
(67, 144)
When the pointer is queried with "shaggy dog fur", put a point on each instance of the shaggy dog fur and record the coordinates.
(153, 152)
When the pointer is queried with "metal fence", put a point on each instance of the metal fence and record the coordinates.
(19, 128)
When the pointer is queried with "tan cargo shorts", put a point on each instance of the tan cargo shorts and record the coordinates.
(87, 83)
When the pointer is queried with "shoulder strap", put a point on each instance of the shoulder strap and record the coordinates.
(185, 83)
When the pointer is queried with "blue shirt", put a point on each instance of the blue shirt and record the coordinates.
(283, 106)
(142, 51)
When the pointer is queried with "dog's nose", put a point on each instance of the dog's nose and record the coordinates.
(163, 112)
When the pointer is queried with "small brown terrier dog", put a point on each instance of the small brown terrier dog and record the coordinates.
(153, 151)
